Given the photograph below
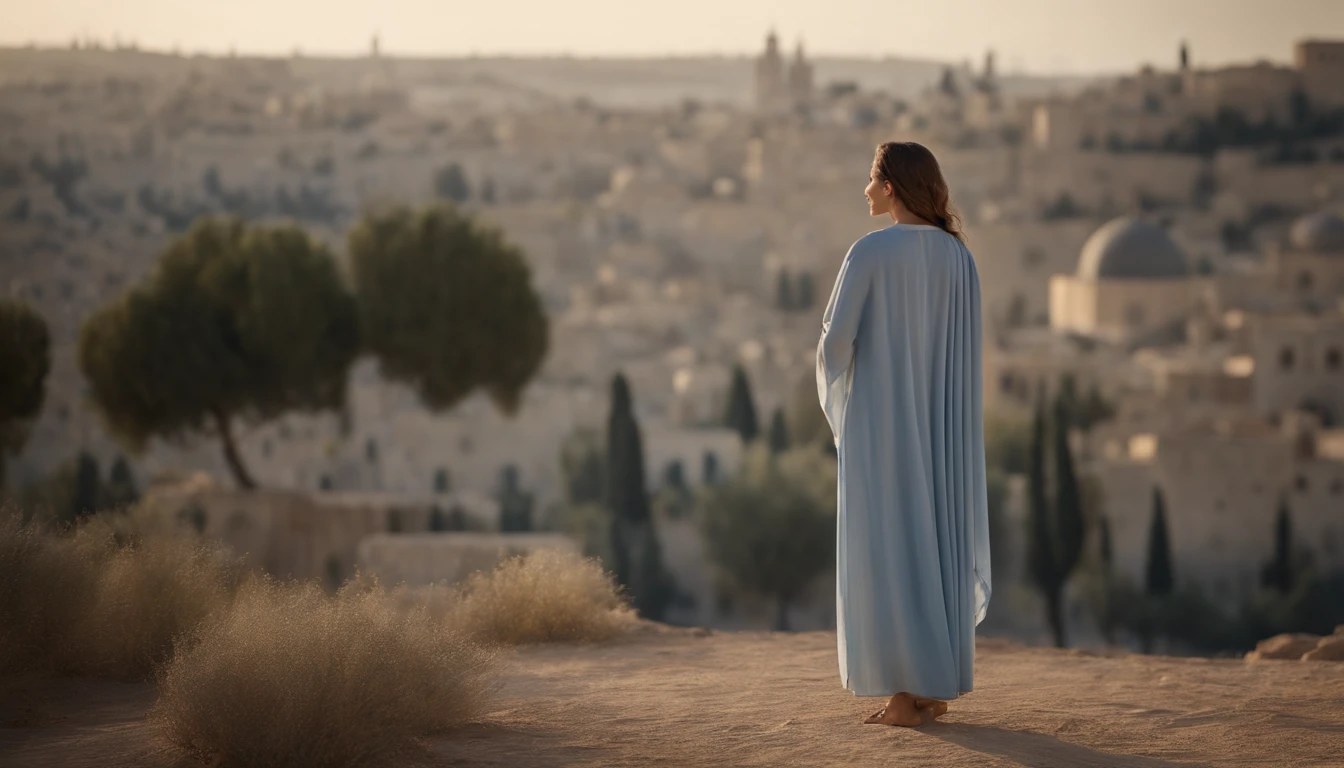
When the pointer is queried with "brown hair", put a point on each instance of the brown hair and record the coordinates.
(917, 182)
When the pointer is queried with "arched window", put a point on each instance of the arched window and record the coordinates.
(1286, 358)
(1332, 359)
(1304, 281)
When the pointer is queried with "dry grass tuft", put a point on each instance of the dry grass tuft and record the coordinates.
(544, 596)
(105, 599)
(292, 676)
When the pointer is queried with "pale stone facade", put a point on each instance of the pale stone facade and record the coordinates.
(1131, 280)
(420, 559)
(292, 534)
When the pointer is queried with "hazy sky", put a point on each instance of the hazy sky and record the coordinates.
(1033, 35)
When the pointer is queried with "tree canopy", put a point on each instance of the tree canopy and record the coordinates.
(772, 526)
(25, 360)
(235, 322)
(741, 412)
(447, 305)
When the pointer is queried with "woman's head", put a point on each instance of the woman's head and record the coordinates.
(905, 178)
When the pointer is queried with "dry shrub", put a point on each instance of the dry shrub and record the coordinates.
(105, 599)
(292, 676)
(544, 596)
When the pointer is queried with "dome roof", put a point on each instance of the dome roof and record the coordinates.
(1320, 232)
(1130, 248)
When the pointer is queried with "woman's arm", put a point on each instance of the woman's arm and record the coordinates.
(840, 323)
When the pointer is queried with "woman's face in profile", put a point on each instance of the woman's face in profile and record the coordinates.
(878, 194)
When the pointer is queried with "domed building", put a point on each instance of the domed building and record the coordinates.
(1311, 264)
(1132, 278)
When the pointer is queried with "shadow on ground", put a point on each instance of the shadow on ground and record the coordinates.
(1039, 750)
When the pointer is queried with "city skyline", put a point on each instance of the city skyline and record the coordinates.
(1033, 36)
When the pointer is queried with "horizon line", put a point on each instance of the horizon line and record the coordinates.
(130, 45)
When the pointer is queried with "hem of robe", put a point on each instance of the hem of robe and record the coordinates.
(913, 693)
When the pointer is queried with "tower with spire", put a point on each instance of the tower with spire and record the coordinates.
(769, 75)
(800, 79)
(780, 90)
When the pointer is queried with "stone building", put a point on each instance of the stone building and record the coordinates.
(781, 88)
(1132, 280)
(1146, 106)
(1311, 264)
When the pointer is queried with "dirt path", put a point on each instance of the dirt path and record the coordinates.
(670, 697)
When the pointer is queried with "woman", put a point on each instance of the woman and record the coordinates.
(898, 373)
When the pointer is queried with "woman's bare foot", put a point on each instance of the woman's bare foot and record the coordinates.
(901, 710)
(935, 707)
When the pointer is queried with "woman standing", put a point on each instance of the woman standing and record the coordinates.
(898, 373)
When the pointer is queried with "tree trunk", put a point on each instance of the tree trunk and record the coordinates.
(782, 618)
(1054, 612)
(231, 456)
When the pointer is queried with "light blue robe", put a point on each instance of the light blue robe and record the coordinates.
(898, 374)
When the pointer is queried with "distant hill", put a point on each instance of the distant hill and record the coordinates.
(616, 82)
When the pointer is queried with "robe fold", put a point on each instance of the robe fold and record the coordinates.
(898, 375)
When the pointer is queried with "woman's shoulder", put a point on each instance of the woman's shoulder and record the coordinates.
(898, 238)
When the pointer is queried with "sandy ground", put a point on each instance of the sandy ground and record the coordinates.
(672, 697)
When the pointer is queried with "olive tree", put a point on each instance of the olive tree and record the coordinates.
(235, 323)
(447, 305)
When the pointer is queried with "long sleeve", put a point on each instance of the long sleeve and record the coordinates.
(839, 332)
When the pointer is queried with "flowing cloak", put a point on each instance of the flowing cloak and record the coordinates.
(898, 374)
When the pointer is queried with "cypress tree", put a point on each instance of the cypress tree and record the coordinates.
(741, 413)
(784, 299)
(1105, 543)
(709, 468)
(806, 295)
(437, 521)
(779, 432)
(1106, 620)
(1278, 573)
(625, 495)
(121, 490)
(1158, 579)
(515, 505)
(1072, 526)
(442, 482)
(1040, 539)
(637, 557)
(85, 500)
(1056, 528)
